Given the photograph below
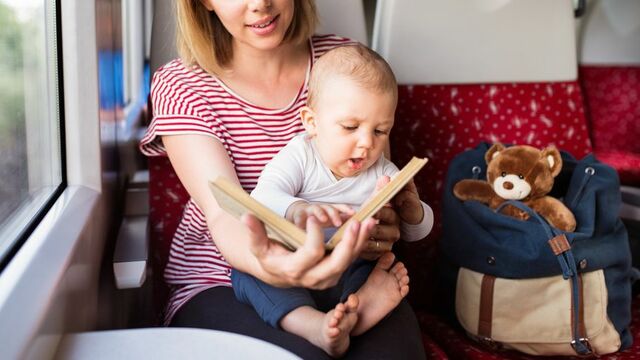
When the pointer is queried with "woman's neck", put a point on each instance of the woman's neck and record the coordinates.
(267, 78)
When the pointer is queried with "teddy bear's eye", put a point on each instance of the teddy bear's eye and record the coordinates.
(504, 174)
(521, 177)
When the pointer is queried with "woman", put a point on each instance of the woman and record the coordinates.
(224, 109)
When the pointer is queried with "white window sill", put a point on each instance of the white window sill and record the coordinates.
(39, 272)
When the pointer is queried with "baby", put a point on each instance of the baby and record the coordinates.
(326, 173)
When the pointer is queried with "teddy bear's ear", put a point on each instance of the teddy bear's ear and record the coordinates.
(493, 151)
(552, 156)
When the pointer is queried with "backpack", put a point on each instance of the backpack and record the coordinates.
(527, 286)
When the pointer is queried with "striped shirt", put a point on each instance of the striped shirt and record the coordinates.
(188, 100)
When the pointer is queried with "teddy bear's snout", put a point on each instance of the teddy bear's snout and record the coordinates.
(507, 185)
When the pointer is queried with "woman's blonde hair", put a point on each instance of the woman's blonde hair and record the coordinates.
(202, 40)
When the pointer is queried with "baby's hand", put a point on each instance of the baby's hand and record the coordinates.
(328, 215)
(407, 203)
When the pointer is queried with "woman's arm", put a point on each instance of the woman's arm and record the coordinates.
(198, 159)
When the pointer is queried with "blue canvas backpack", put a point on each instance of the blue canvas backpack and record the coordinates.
(527, 286)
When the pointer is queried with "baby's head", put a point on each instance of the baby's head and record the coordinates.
(351, 106)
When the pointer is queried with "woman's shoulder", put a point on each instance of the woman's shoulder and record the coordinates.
(323, 43)
(176, 72)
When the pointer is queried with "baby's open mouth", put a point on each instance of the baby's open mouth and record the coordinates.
(356, 163)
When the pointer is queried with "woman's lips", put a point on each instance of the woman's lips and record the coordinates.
(265, 27)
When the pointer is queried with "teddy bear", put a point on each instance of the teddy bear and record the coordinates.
(521, 173)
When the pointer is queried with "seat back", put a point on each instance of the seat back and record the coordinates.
(469, 72)
(610, 77)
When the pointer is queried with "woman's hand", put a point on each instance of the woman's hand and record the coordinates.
(308, 266)
(407, 202)
(386, 231)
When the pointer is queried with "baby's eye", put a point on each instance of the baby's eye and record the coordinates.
(504, 174)
(380, 132)
(349, 128)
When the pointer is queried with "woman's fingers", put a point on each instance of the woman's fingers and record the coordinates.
(387, 215)
(307, 256)
(328, 272)
(379, 247)
(308, 266)
(387, 228)
(259, 242)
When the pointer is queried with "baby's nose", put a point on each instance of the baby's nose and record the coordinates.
(507, 185)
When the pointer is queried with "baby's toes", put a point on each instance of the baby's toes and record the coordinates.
(399, 271)
(351, 305)
(333, 332)
(404, 290)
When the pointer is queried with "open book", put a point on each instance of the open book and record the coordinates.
(234, 200)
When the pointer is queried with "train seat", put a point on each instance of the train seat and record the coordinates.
(610, 75)
(464, 79)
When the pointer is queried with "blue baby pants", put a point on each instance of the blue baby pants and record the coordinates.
(273, 303)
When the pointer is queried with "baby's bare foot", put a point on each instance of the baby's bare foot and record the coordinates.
(381, 293)
(337, 326)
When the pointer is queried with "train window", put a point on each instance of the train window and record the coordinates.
(31, 157)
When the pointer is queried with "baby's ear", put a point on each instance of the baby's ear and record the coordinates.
(552, 156)
(308, 120)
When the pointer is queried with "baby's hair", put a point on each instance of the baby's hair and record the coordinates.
(355, 62)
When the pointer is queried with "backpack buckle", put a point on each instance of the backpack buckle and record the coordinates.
(584, 349)
(490, 343)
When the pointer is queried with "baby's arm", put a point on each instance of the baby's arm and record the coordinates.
(281, 179)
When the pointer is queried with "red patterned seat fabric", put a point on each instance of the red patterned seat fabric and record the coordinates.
(167, 199)
(612, 98)
(439, 122)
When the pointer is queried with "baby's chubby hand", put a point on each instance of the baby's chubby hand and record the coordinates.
(407, 204)
(328, 215)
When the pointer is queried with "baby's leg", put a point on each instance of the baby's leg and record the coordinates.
(328, 331)
(381, 293)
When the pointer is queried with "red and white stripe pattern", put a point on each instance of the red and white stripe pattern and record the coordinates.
(190, 101)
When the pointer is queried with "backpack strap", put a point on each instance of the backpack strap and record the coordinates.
(561, 247)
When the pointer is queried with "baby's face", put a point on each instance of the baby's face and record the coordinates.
(351, 125)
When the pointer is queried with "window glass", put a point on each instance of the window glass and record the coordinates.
(30, 136)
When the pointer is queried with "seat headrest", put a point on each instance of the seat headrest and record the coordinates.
(163, 34)
(477, 41)
(340, 17)
(610, 33)
(344, 18)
